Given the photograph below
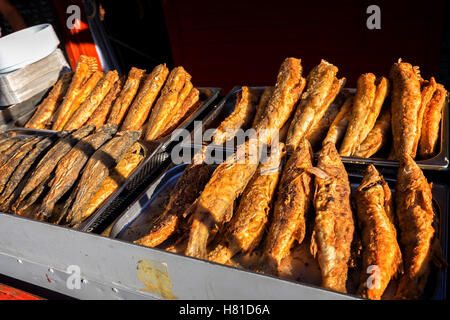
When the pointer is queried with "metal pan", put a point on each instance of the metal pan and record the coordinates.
(134, 221)
(157, 154)
(439, 162)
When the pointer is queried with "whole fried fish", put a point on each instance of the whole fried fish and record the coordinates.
(375, 214)
(247, 226)
(51, 159)
(293, 201)
(337, 128)
(406, 102)
(8, 167)
(415, 215)
(21, 170)
(261, 107)
(187, 189)
(322, 88)
(334, 226)
(69, 167)
(97, 170)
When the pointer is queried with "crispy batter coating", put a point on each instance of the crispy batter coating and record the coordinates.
(186, 191)
(140, 109)
(261, 108)
(318, 132)
(287, 92)
(247, 226)
(337, 128)
(377, 137)
(215, 204)
(188, 106)
(121, 104)
(322, 88)
(240, 118)
(375, 214)
(83, 71)
(69, 167)
(97, 170)
(87, 108)
(68, 107)
(415, 215)
(8, 167)
(431, 123)
(177, 87)
(44, 113)
(334, 226)
(293, 201)
(405, 106)
(130, 161)
(367, 105)
(101, 113)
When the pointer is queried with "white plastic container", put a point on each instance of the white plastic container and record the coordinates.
(26, 46)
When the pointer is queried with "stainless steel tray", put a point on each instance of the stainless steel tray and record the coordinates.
(157, 154)
(10, 114)
(133, 223)
(439, 162)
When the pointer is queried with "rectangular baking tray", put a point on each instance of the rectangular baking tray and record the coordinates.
(439, 162)
(131, 224)
(157, 155)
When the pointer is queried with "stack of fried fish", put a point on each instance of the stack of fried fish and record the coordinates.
(265, 206)
(154, 103)
(65, 177)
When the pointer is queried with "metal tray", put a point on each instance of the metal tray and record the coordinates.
(133, 222)
(144, 173)
(439, 162)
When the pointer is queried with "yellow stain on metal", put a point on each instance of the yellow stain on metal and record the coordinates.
(155, 276)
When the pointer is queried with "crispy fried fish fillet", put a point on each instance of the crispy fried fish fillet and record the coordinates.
(101, 113)
(431, 120)
(8, 167)
(323, 87)
(334, 226)
(337, 128)
(46, 165)
(428, 88)
(6, 146)
(97, 170)
(130, 88)
(240, 118)
(215, 204)
(415, 215)
(262, 105)
(214, 207)
(247, 226)
(187, 189)
(69, 167)
(367, 105)
(92, 102)
(140, 109)
(188, 106)
(83, 71)
(287, 92)
(177, 88)
(68, 107)
(293, 201)
(44, 113)
(377, 137)
(405, 106)
(21, 170)
(318, 132)
(130, 161)
(375, 214)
